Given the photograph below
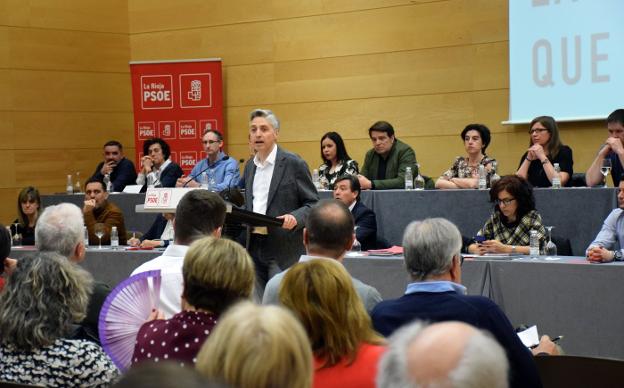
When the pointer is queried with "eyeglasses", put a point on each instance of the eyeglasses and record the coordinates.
(211, 142)
(539, 130)
(506, 201)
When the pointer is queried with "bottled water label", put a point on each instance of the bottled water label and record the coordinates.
(409, 183)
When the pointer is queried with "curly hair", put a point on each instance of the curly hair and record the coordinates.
(163, 145)
(44, 295)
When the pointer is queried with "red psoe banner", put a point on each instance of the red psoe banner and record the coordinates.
(177, 101)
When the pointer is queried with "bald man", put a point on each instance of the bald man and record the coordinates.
(449, 354)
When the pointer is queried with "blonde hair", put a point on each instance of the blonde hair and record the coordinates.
(217, 273)
(257, 346)
(321, 294)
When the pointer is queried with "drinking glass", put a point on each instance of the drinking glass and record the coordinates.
(98, 229)
(17, 238)
(551, 248)
(356, 247)
(605, 168)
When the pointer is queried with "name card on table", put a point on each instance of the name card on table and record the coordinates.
(164, 199)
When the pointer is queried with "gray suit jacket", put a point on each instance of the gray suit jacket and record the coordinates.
(291, 192)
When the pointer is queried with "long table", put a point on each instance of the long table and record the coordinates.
(565, 296)
(575, 213)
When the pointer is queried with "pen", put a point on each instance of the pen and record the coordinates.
(552, 339)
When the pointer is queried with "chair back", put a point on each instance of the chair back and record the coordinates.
(580, 372)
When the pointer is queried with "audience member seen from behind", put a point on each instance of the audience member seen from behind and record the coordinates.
(165, 374)
(537, 165)
(345, 347)
(98, 210)
(257, 346)
(457, 356)
(385, 164)
(609, 243)
(612, 149)
(160, 234)
(508, 229)
(28, 210)
(217, 273)
(157, 168)
(120, 170)
(434, 263)
(43, 297)
(464, 173)
(8, 264)
(336, 160)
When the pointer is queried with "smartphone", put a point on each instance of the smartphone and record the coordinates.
(479, 239)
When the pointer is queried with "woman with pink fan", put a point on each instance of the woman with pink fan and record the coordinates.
(217, 273)
(44, 295)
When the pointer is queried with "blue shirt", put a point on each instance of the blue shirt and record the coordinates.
(435, 286)
(611, 236)
(224, 172)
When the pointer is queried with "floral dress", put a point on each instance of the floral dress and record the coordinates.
(328, 179)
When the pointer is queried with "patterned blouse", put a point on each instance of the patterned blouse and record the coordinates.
(176, 339)
(66, 363)
(513, 234)
(328, 179)
(461, 169)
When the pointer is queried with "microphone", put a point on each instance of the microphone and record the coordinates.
(226, 157)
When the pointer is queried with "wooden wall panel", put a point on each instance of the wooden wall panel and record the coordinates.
(69, 91)
(4, 47)
(34, 48)
(80, 15)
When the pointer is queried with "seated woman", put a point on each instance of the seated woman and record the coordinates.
(217, 273)
(336, 160)
(545, 149)
(160, 234)
(157, 169)
(42, 297)
(345, 347)
(257, 346)
(28, 210)
(464, 173)
(508, 228)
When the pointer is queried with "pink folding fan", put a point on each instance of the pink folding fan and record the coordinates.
(123, 313)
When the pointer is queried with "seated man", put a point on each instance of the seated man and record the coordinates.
(455, 355)
(612, 149)
(347, 190)
(159, 234)
(328, 233)
(432, 258)
(200, 213)
(97, 210)
(119, 169)
(221, 170)
(385, 164)
(608, 244)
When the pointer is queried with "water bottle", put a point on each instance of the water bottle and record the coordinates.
(482, 178)
(409, 179)
(419, 181)
(534, 244)
(556, 181)
(316, 179)
(494, 177)
(203, 181)
(86, 236)
(108, 183)
(114, 237)
(70, 186)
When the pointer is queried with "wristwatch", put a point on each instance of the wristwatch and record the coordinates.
(618, 256)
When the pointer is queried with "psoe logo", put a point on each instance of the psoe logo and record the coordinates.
(167, 129)
(146, 130)
(188, 159)
(157, 92)
(187, 129)
(195, 90)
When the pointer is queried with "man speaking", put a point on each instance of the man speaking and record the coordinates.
(278, 184)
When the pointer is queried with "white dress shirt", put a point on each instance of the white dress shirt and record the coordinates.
(262, 181)
(154, 174)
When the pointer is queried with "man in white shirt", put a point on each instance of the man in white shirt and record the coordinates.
(200, 213)
(277, 183)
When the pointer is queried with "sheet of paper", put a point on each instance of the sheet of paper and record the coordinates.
(132, 189)
(529, 337)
